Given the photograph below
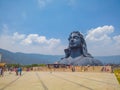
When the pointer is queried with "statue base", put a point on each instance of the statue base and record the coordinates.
(80, 61)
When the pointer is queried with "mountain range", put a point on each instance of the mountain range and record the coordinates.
(25, 58)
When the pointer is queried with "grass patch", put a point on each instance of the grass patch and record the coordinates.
(117, 74)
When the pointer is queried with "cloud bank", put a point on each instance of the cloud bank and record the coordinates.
(100, 42)
(31, 43)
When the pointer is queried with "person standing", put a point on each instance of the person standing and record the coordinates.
(16, 70)
(20, 71)
(0, 71)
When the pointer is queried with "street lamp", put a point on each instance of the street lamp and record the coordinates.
(0, 57)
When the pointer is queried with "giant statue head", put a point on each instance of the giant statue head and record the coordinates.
(77, 41)
(76, 53)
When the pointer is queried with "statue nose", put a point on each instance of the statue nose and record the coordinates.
(71, 40)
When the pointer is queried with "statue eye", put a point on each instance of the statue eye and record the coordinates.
(76, 37)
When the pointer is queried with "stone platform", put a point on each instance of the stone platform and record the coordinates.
(59, 81)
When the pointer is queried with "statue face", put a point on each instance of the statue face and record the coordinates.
(74, 40)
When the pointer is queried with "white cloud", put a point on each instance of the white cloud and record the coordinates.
(41, 40)
(117, 43)
(72, 3)
(5, 28)
(43, 3)
(100, 41)
(31, 43)
(100, 33)
(29, 39)
(24, 15)
(41, 44)
(117, 39)
(17, 36)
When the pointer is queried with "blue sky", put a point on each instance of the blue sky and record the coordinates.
(43, 26)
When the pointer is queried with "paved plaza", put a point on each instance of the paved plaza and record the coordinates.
(59, 81)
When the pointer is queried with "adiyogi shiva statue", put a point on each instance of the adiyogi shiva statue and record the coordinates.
(76, 53)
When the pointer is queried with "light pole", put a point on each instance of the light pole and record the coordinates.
(0, 57)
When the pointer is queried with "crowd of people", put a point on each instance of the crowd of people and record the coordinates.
(17, 70)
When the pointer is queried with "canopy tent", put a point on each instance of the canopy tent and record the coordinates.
(2, 64)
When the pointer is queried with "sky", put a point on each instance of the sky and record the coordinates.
(43, 26)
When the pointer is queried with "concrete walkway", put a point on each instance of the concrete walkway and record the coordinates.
(59, 81)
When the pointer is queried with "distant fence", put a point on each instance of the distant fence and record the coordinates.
(72, 68)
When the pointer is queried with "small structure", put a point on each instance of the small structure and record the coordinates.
(57, 65)
(0, 57)
(2, 64)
